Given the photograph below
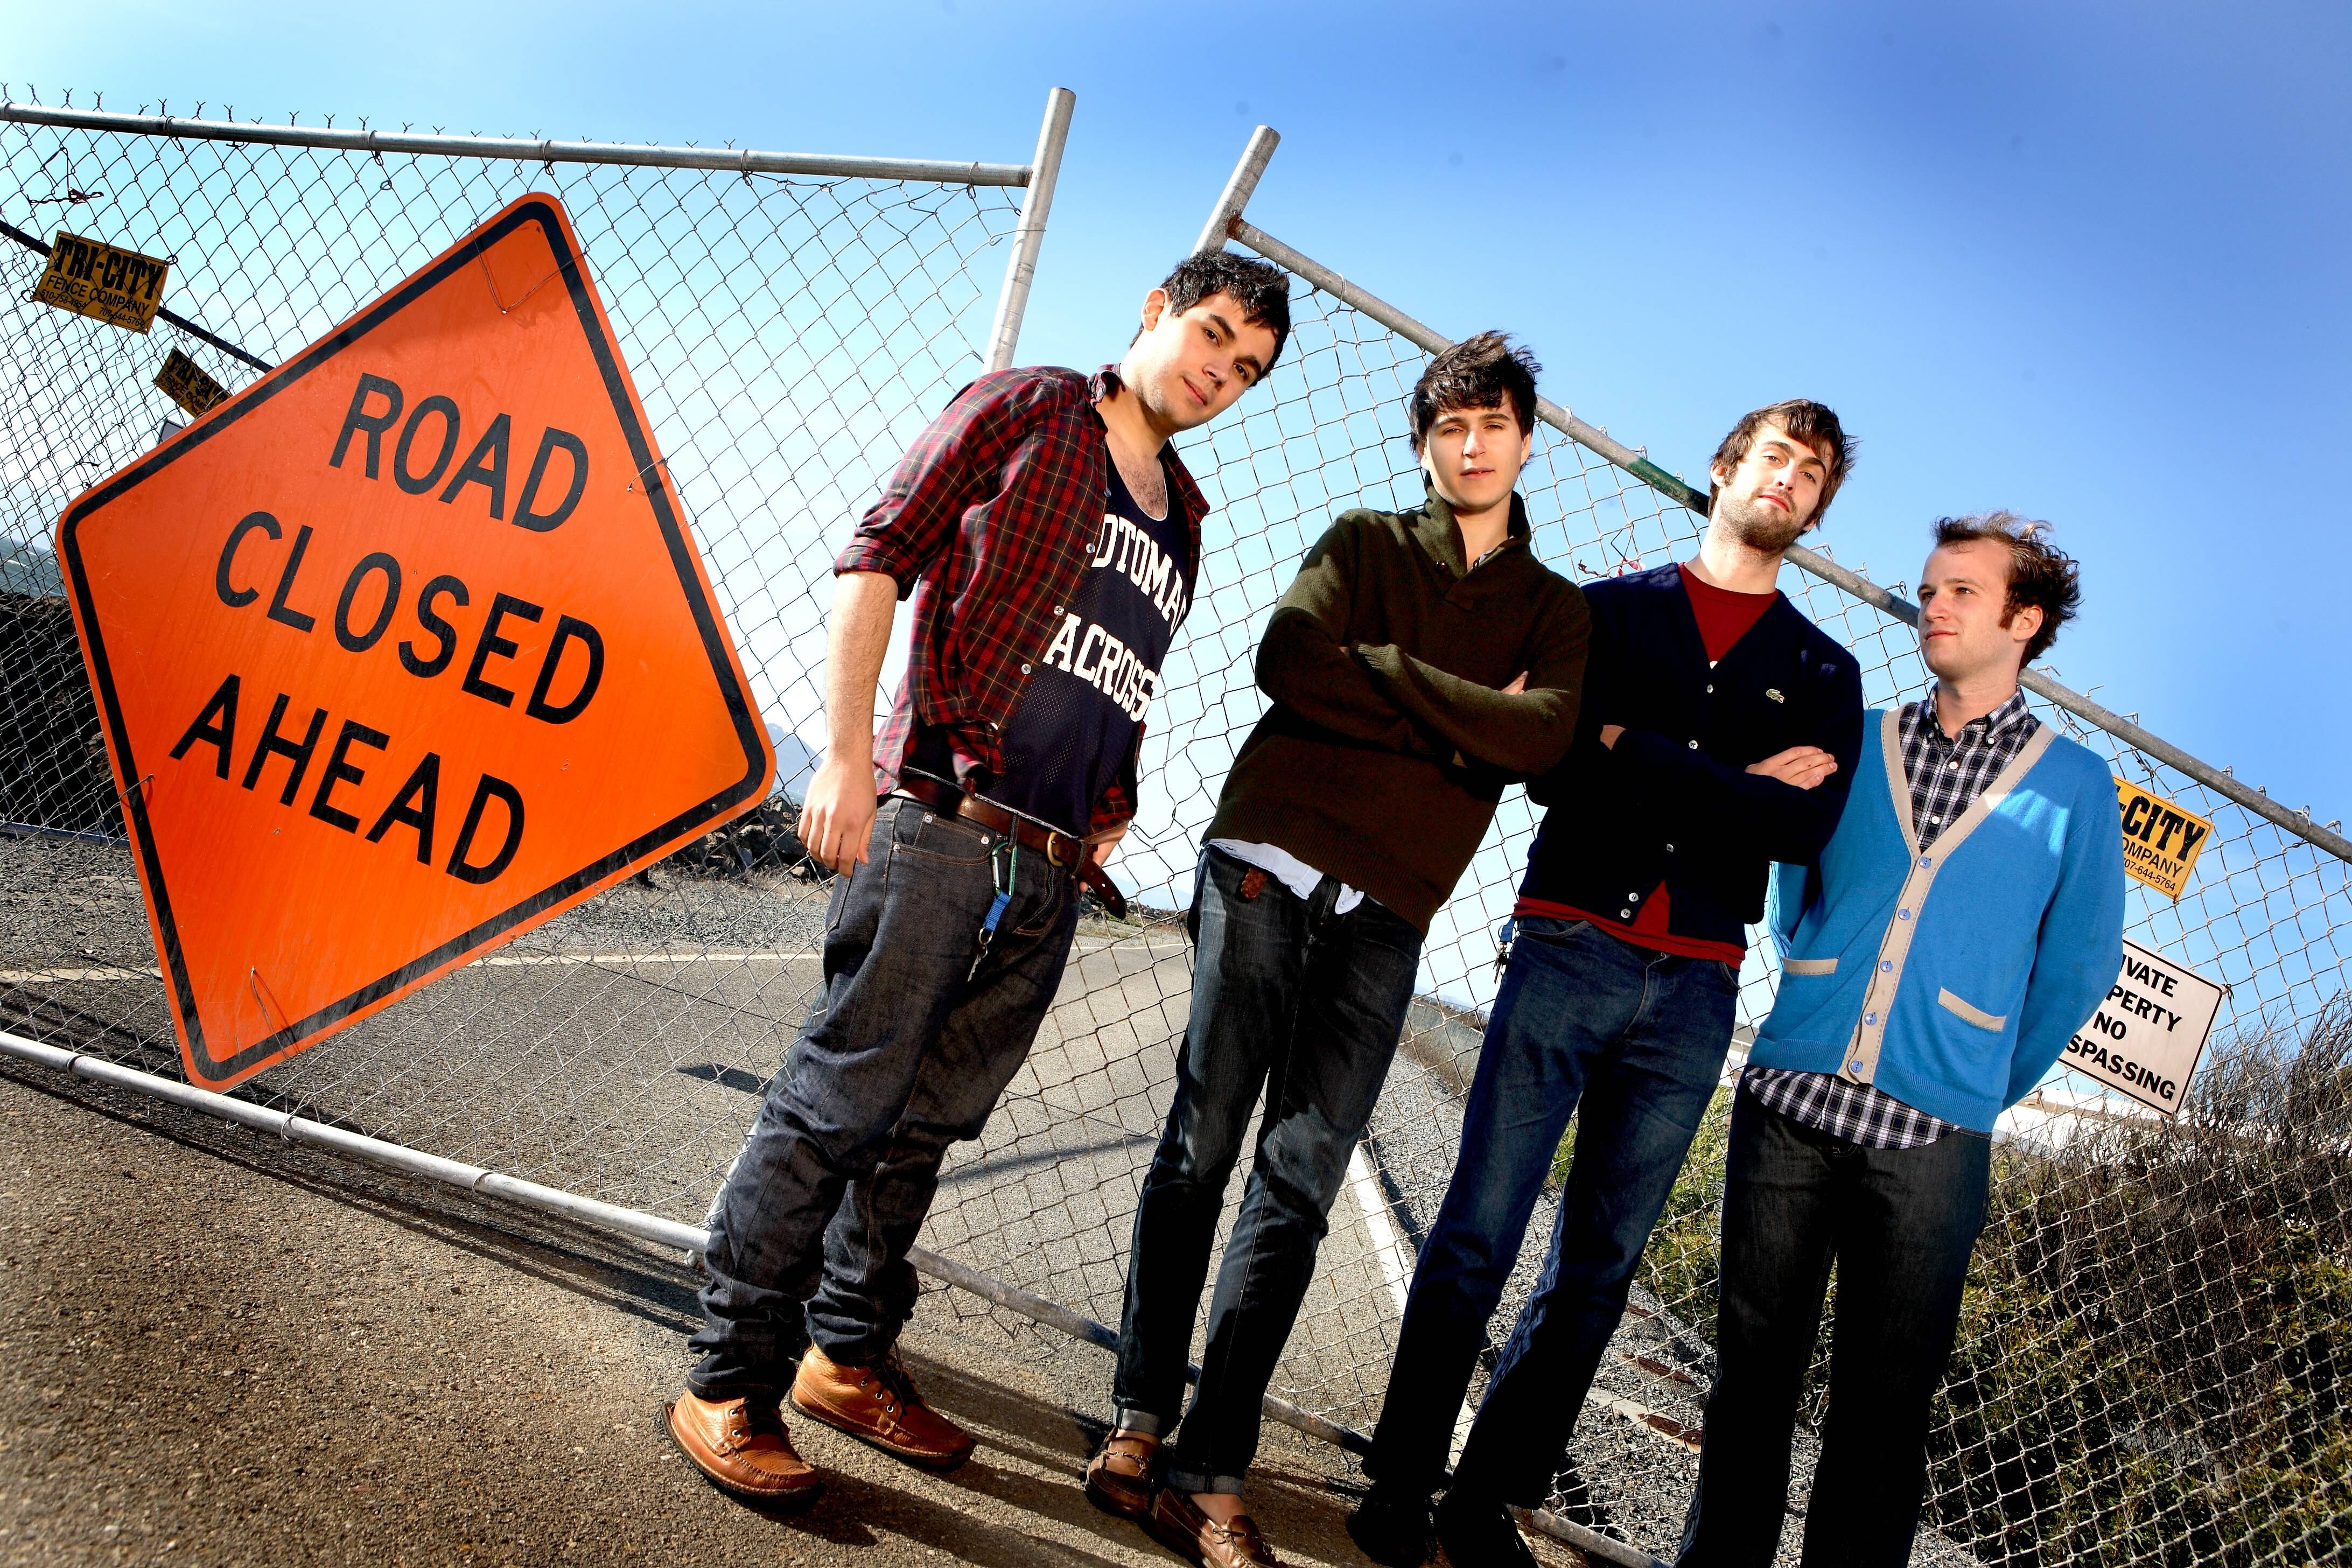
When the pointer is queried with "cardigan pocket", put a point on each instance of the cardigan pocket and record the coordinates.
(1950, 1004)
(1809, 966)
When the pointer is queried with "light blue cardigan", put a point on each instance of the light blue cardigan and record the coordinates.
(1952, 979)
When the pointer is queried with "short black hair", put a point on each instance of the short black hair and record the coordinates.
(1476, 372)
(1260, 287)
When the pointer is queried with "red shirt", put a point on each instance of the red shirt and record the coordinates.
(1723, 619)
(990, 523)
(1723, 616)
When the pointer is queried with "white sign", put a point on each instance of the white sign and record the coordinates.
(2147, 1036)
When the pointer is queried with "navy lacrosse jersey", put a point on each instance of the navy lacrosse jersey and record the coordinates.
(1077, 716)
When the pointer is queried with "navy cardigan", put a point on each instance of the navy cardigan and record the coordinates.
(1671, 801)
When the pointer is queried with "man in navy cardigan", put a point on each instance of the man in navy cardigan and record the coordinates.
(1718, 730)
(1960, 925)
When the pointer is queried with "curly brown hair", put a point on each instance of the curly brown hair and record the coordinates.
(2039, 573)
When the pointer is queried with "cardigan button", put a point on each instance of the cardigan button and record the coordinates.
(1870, 1018)
(1885, 966)
(1855, 1065)
(1902, 914)
(1624, 914)
(1694, 745)
(1926, 861)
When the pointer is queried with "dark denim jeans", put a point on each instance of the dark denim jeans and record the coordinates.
(1900, 1223)
(1307, 1004)
(904, 1052)
(1638, 1038)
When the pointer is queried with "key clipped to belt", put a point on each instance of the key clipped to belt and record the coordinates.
(1004, 868)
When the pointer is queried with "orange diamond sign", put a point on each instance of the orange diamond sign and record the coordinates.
(403, 651)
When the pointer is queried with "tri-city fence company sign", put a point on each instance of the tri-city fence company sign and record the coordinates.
(403, 651)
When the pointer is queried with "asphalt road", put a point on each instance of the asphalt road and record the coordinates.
(218, 1349)
(620, 1050)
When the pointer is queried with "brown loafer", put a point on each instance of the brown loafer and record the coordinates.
(743, 1449)
(879, 1405)
(1124, 1473)
(1177, 1522)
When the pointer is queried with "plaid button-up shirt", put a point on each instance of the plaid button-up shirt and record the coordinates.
(1946, 775)
(989, 522)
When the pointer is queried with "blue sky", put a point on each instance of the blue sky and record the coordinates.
(2084, 262)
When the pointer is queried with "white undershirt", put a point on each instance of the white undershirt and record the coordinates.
(1286, 868)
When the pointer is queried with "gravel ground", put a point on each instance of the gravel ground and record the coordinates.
(218, 1349)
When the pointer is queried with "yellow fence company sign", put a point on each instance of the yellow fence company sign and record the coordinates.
(183, 381)
(2161, 841)
(93, 279)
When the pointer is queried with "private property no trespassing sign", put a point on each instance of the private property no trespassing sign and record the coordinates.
(2148, 1036)
(403, 651)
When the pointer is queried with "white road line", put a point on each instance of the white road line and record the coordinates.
(495, 960)
(520, 960)
(1386, 1245)
(51, 976)
(531, 959)
(1365, 1188)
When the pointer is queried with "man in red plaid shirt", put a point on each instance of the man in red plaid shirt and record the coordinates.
(1049, 538)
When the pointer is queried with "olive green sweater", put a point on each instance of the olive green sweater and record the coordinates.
(1390, 739)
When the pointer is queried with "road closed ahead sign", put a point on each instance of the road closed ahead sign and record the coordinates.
(403, 651)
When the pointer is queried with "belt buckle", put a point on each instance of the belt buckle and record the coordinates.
(1053, 841)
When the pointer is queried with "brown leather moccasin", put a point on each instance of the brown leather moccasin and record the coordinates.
(1124, 1473)
(1177, 1522)
(879, 1405)
(744, 1449)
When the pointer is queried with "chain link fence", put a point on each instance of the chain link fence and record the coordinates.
(2157, 1338)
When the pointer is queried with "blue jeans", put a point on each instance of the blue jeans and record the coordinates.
(1307, 1004)
(903, 1053)
(1638, 1038)
(1900, 1223)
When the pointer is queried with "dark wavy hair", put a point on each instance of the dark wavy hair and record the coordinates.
(1260, 287)
(1476, 372)
(2039, 573)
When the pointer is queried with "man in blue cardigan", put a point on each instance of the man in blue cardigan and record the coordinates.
(1963, 920)
(1716, 734)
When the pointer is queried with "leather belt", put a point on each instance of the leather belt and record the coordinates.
(1058, 847)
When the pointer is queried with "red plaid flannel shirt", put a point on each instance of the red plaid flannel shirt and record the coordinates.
(990, 523)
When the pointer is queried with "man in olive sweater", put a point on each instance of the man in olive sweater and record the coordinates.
(1421, 661)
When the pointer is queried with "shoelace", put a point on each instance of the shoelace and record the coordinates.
(893, 1377)
(758, 1420)
(1244, 1537)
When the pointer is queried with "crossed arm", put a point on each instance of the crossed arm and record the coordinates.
(1786, 805)
(1383, 696)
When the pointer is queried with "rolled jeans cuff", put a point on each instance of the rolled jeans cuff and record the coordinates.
(1124, 1419)
(1197, 1481)
(765, 1390)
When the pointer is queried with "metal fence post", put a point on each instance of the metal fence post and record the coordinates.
(1238, 189)
(1030, 233)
